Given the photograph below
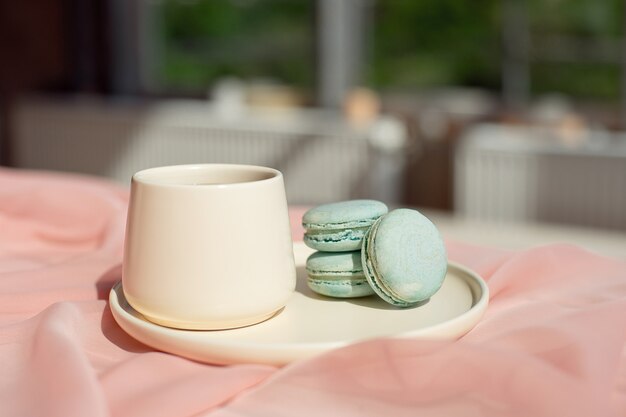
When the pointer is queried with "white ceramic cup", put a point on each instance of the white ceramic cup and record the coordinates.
(208, 246)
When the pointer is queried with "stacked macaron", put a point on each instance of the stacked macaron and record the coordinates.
(364, 249)
(336, 230)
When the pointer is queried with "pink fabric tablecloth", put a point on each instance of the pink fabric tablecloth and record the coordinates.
(551, 343)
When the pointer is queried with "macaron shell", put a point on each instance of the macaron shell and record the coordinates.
(404, 258)
(335, 263)
(344, 212)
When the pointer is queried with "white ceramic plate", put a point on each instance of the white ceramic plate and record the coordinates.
(311, 323)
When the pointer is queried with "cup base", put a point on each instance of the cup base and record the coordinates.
(222, 325)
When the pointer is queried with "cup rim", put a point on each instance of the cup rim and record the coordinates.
(140, 176)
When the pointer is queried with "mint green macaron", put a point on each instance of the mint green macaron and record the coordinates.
(337, 274)
(404, 258)
(340, 227)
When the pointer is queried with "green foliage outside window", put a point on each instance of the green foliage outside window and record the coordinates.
(204, 40)
(593, 24)
(428, 43)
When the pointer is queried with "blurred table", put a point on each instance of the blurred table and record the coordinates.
(517, 236)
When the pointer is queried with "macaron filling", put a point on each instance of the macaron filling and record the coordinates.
(353, 234)
(331, 275)
(355, 224)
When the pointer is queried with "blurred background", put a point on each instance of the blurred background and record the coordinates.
(498, 110)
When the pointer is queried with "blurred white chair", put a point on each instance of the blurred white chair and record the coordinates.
(323, 157)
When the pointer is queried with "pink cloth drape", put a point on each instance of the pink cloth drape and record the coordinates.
(551, 343)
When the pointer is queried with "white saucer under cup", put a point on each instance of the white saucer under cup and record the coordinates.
(311, 324)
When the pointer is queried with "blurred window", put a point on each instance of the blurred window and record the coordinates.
(197, 42)
(517, 47)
